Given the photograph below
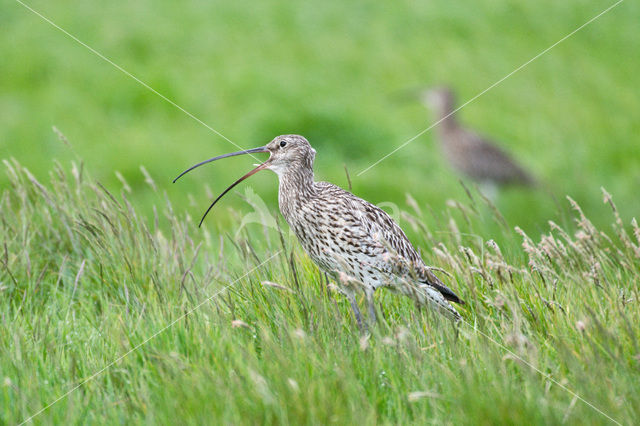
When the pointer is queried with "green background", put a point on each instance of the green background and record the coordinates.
(332, 72)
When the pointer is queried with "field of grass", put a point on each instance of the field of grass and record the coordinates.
(109, 289)
(199, 333)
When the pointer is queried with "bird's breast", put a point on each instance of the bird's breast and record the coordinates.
(335, 240)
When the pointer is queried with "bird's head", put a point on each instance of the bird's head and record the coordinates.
(438, 99)
(289, 152)
(286, 153)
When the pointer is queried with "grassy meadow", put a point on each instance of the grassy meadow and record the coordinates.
(108, 285)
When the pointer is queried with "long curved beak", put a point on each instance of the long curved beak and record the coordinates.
(252, 172)
(233, 154)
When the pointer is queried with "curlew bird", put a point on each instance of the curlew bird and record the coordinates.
(471, 155)
(352, 240)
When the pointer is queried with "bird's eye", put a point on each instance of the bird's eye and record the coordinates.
(283, 144)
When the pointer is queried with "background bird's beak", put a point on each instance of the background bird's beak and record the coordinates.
(252, 172)
(408, 95)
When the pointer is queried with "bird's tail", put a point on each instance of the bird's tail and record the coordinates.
(435, 299)
(426, 295)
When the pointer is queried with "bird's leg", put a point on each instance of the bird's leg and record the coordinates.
(371, 304)
(356, 310)
(326, 285)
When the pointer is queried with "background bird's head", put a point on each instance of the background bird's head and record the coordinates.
(441, 99)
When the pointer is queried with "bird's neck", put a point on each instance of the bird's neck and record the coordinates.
(447, 117)
(296, 185)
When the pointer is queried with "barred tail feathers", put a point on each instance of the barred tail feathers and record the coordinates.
(434, 298)
(427, 295)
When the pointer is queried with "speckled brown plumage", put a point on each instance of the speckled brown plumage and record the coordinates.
(349, 238)
(470, 154)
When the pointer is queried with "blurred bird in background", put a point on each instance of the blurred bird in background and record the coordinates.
(471, 155)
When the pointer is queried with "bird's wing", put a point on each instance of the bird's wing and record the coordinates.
(372, 221)
(376, 225)
(489, 162)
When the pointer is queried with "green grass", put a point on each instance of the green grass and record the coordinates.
(92, 266)
(87, 279)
